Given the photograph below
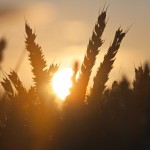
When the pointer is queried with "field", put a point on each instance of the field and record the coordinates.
(116, 118)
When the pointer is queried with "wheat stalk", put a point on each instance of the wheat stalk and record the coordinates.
(16, 82)
(42, 75)
(8, 88)
(52, 70)
(2, 47)
(36, 56)
(89, 60)
(106, 66)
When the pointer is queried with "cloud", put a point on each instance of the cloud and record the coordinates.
(75, 31)
(39, 13)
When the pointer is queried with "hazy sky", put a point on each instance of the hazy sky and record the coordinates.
(65, 26)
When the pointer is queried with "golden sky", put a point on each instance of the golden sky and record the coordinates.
(65, 26)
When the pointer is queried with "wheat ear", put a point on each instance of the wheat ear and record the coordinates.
(89, 60)
(106, 66)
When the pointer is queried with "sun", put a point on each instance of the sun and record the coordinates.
(61, 83)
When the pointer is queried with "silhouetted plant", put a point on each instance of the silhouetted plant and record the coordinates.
(2, 47)
(8, 87)
(89, 60)
(17, 83)
(106, 66)
(42, 75)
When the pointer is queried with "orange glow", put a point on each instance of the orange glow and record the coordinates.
(61, 83)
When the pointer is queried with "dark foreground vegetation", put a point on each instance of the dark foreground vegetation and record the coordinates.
(117, 118)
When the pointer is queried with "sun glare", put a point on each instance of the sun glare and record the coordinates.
(61, 82)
